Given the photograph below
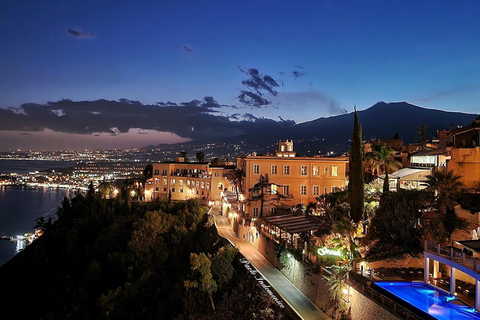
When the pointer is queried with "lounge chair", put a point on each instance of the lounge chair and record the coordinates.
(469, 290)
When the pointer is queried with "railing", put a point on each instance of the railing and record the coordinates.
(454, 254)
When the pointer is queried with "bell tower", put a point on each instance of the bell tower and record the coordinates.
(285, 149)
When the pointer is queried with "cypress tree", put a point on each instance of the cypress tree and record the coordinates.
(356, 194)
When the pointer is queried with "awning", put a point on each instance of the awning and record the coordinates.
(473, 245)
(294, 223)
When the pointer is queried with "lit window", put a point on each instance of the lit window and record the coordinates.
(256, 169)
(334, 171)
(315, 190)
(273, 189)
(315, 170)
(286, 170)
(325, 170)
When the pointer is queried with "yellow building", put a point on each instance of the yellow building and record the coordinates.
(465, 162)
(184, 180)
(299, 180)
(464, 147)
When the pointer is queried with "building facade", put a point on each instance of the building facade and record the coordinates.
(292, 180)
(184, 180)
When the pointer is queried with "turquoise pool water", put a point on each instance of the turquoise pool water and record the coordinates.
(431, 300)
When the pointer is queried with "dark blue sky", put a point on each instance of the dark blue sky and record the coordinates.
(325, 56)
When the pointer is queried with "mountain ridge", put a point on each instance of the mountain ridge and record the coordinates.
(332, 134)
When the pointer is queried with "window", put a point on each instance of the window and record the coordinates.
(180, 183)
(333, 189)
(216, 174)
(274, 169)
(304, 170)
(315, 190)
(172, 182)
(325, 170)
(303, 190)
(157, 172)
(220, 186)
(273, 189)
(286, 170)
(255, 212)
(315, 170)
(256, 169)
(286, 190)
(164, 172)
(325, 190)
(272, 211)
(334, 171)
(208, 185)
(157, 181)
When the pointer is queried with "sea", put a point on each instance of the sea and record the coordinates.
(20, 206)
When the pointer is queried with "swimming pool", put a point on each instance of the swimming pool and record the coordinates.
(431, 300)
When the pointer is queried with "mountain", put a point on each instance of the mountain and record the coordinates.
(324, 135)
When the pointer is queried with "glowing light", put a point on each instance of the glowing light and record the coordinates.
(345, 291)
(322, 251)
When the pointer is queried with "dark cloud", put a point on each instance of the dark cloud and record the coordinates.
(116, 117)
(297, 74)
(257, 85)
(80, 34)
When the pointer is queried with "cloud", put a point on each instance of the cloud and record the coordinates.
(257, 85)
(115, 118)
(447, 92)
(187, 49)
(80, 34)
(311, 99)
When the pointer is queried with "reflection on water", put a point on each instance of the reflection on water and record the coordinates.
(19, 208)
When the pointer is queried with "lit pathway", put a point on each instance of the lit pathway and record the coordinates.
(288, 292)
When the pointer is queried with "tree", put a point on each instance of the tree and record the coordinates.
(148, 171)
(394, 228)
(346, 243)
(261, 191)
(380, 160)
(355, 186)
(336, 282)
(222, 269)
(236, 176)
(200, 155)
(446, 186)
(201, 266)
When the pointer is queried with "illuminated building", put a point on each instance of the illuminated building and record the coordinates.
(294, 180)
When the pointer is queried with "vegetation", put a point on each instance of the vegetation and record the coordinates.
(355, 186)
(117, 259)
(262, 191)
(395, 229)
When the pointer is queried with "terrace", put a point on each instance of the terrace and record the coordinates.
(454, 269)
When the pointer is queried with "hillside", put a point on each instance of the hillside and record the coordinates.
(114, 259)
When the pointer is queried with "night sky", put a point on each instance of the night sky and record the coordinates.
(222, 61)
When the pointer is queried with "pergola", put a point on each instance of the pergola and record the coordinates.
(290, 225)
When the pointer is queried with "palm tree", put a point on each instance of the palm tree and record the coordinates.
(446, 187)
(381, 160)
(346, 242)
(336, 281)
(236, 176)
